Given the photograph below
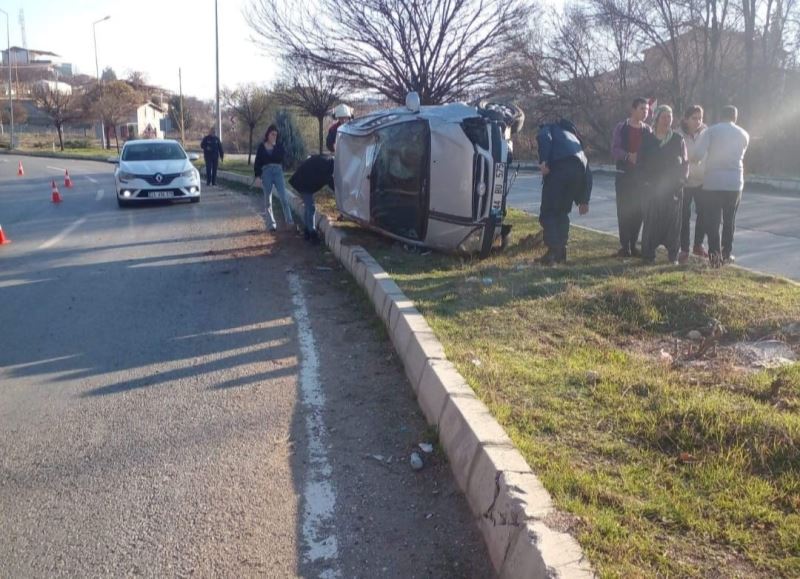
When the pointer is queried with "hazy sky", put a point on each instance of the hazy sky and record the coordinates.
(154, 36)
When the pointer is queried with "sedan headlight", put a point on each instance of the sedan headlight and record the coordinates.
(191, 173)
(125, 177)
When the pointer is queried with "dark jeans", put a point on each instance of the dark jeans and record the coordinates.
(211, 169)
(629, 209)
(719, 206)
(691, 194)
(565, 182)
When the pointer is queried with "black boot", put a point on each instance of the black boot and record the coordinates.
(562, 254)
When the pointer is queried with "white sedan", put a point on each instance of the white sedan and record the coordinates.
(152, 170)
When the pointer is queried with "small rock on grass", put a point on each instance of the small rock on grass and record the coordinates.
(695, 336)
(416, 461)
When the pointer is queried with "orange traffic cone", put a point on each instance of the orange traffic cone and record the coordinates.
(20, 170)
(67, 180)
(3, 238)
(56, 194)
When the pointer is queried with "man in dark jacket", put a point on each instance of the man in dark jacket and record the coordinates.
(311, 176)
(212, 154)
(566, 179)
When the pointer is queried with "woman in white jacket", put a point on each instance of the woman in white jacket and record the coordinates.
(691, 128)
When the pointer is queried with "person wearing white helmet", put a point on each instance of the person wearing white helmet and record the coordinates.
(342, 113)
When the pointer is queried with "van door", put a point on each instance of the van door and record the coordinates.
(399, 180)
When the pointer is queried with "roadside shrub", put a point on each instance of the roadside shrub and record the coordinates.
(291, 139)
(78, 144)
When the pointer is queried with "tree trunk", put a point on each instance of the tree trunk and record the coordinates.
(250, 144)
(320, 120)
(116, 138)
(60, 137)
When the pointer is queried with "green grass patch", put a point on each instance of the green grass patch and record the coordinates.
(689, 468)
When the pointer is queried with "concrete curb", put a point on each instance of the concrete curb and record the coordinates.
(513, 509)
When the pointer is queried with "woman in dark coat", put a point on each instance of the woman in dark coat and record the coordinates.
(664, 167)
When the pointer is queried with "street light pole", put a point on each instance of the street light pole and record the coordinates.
(216, 36)
(97, 71)
(10, 98)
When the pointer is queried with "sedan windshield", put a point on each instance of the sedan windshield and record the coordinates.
(153, 152)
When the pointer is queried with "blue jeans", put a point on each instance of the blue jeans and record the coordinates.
(272, 175)
(309, 211)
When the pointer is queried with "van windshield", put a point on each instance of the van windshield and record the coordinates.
(153, 152)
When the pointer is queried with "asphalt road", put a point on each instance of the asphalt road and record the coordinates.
(182, 393)
(767, 237)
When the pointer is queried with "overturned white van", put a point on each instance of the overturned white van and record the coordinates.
(433, 176)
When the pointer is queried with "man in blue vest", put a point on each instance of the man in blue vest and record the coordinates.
(566, 179)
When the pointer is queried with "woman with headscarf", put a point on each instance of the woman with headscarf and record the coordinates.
(664, 168)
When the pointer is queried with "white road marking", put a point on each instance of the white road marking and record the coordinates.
(59, 169)
(58, 238)
(100, 194)
(319, 494)
(91, 180)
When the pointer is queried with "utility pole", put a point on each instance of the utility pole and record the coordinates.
(10, 98)
(216, 36)
(180, 92)
(97, 71)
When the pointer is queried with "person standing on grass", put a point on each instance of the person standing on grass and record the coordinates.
(625, 145)
(268, 168)
(691, 128)
(664, 168)
(723, 147)
(310, 177)
(213, 154)
(566, 179)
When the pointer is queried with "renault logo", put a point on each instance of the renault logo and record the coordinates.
(159, 177)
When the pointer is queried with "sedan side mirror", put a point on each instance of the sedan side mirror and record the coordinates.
(114, 160)
(193, 156)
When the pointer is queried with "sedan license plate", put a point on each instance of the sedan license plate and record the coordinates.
(161, 194)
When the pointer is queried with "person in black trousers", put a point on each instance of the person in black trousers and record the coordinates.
(625, 145)
(664, 168)
(213, 154)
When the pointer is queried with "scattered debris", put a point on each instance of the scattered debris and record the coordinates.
(522, 266)
(766, 354)
(666, 357)
(416, 461)
(694, 336)
(476, 362)
(378, 457)
(426, 447)
(686, 457)
(429, 516)
(472, 279)
(487, 281)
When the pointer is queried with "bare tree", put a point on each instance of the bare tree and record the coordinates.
(114, 102)
(249, 104)
(443, 49)
(312, 89)
(59, 104)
